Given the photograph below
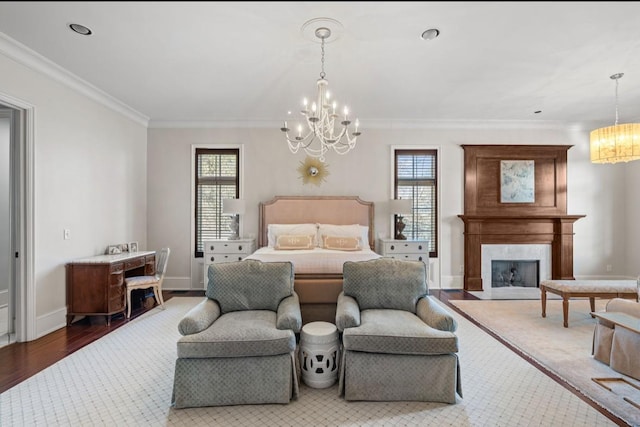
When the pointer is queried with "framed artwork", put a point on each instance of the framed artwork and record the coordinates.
(124, 247)
(133, 247)
(114, 249)
(517, 181)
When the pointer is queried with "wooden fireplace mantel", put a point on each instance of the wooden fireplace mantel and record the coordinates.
(556, 230)
(490, 218)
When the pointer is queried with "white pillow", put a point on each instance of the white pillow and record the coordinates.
(274, 230)
(354, 230)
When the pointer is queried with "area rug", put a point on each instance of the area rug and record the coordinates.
(566, 352)
(126, 379)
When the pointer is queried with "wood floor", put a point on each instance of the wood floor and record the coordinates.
(20, 361)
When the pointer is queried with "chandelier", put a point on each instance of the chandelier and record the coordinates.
(617, 143)
(325, 128)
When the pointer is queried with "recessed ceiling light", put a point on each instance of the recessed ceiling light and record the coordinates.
(80, 29)
(430, 34)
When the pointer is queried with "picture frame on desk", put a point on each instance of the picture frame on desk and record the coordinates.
(114, 250)
(133, 246)
(124, 247)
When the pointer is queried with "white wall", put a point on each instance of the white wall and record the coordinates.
(632, 231)
(90, 177)
(271, 170)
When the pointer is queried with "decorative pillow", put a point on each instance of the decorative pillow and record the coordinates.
(354, 230)
(295, 241)
(274, 230)
(341, 243)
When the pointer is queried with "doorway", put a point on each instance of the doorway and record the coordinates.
(17, 249)
(7, 226)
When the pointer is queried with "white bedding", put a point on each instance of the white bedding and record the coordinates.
(313, 261)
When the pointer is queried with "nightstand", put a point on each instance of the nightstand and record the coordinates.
(413, 250)
(216, 251)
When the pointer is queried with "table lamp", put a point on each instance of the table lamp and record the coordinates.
(400, 207)
(233, 207)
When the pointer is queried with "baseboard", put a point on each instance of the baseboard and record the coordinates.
(452, 282)
(4, 298)
(177, 283)
(50, 322)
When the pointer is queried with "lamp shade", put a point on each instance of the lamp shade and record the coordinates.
(233, 206)
(400, 206)
(613, 144)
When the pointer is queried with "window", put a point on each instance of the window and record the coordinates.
(415, 178)
(217, 178)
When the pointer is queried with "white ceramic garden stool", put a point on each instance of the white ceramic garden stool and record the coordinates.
(319, 354)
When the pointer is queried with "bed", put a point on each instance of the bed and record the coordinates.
(317, 267)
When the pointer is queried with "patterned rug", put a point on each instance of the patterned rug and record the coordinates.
(564, 351)
(126, 379)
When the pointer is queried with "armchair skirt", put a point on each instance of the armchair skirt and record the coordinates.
(393, 355)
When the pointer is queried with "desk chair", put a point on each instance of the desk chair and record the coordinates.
(146, 282)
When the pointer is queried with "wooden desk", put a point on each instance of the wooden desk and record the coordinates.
(619, 319)
(95, 285)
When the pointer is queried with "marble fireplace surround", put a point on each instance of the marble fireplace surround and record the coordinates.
(556, 231)
(541, 253)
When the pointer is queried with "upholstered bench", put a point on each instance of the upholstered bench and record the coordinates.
(586, 289)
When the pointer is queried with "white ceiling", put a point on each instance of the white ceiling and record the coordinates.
(248, 62)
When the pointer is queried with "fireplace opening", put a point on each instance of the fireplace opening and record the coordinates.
(522, 273)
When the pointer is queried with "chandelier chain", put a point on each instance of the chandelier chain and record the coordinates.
(617, 101)
(322, 73)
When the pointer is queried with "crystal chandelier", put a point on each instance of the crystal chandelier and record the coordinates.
(617, 143)
(326, 129)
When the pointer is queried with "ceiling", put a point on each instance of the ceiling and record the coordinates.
(249, 63)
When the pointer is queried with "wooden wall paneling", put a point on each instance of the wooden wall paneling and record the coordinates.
(489, 221)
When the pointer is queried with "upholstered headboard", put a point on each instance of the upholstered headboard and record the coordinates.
(339, 210)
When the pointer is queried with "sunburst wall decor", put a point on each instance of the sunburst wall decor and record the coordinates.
(313, 171)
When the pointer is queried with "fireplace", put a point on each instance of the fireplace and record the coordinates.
(508, 273)
(539, 219)
(532, 264)
(554, 232)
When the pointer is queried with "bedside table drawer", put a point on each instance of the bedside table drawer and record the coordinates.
(228, 247)
(409, 257)
(216, 258)
(404, 247)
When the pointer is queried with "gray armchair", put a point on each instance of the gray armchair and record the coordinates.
(398, 343)
(238, 345)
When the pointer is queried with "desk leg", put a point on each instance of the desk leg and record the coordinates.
(592, 302)
(565, 310)
(543, 299)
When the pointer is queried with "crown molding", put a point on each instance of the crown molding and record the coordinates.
(33, 60)
(214, 124)
(381, 124)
